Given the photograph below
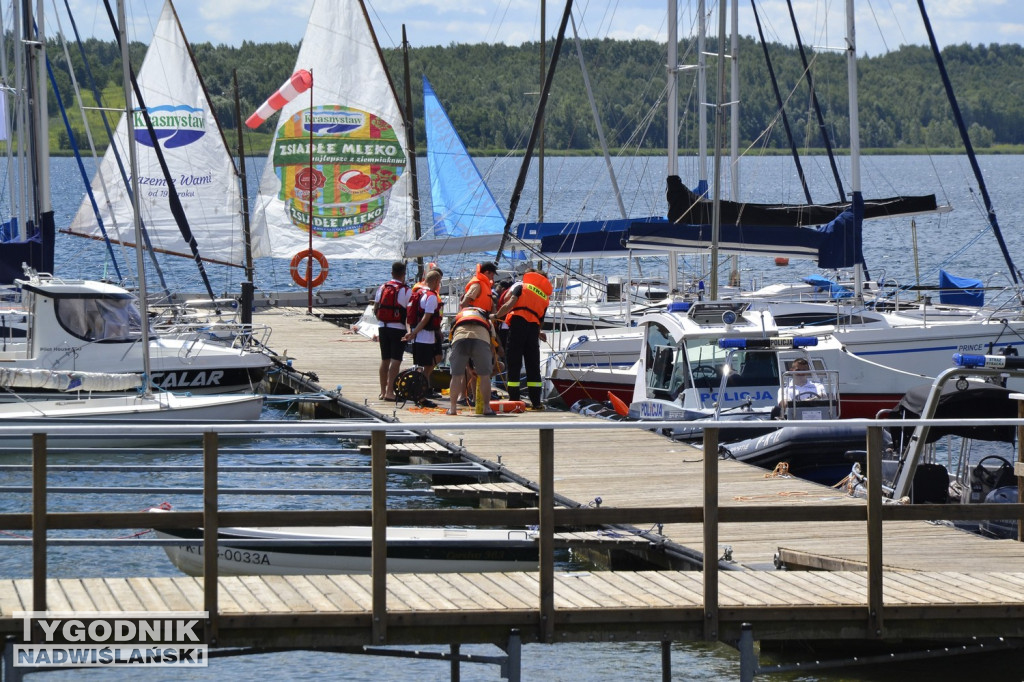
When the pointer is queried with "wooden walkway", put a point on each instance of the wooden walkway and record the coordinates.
(337, 611)
(633, 468)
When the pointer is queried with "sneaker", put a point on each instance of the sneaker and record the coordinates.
(537, 408)
(426, 403)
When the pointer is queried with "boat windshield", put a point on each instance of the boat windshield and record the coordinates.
(100, 319)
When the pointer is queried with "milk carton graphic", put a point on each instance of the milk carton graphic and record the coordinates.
(337, 166)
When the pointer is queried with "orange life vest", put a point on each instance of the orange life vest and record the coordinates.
(483, 299)
(534, 294)
(472, 315)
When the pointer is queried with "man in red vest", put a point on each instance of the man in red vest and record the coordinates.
(425, 319)
(524, 312)
(389, 306)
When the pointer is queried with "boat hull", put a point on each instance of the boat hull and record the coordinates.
(103, 419)
(347, 550)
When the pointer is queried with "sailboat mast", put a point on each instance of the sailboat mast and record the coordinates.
(672, 124)
(133, 165)
(858, 201)
(716, 213)
(410, 140)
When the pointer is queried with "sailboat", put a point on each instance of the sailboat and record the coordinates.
(336, 181)
(906, 340)
(146, 404)
(72, 325)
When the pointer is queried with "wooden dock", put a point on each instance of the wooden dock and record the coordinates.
(883, 573)
(631, 468)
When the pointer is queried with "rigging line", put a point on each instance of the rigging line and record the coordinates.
(177, 210)
(74, 142)
(968, 147)
(779, 102)
(537, 123)
(112, 143)
(814, 102)
(81, 167)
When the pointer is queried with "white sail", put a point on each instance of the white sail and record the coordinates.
(200, 164)
(359, 180)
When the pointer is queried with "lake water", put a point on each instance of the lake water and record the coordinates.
(577, 189)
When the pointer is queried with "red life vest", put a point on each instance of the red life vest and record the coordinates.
(416, 308)
(388, 308)
(534, 294)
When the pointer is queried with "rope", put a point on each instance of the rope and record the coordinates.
(768, 496)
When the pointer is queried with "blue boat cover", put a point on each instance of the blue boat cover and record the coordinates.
(955, 290)
(835, 290)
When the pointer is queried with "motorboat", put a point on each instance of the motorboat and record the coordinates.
(86, 325)
(347, 550)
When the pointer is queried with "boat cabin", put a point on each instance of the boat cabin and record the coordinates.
(712, 359)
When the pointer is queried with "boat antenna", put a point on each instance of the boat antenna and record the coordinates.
(968, 147)
(538, 122)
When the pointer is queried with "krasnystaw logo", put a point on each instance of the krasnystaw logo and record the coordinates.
(175, 126)
(101, 639)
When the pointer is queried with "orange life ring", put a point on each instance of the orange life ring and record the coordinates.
(300, 278)
(508, 406)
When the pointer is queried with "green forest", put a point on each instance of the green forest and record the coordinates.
(491, 94)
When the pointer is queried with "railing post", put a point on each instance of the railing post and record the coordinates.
(211, 528)
(547, 534)
(1019, 469)
(38, 521)
(711, 534)
(379, 534)
(874, 549)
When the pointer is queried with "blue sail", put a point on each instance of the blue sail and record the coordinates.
(463, 205)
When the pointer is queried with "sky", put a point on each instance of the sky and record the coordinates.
(882, 25)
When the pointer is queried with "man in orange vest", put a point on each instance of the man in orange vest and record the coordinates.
(478, 289)
(524, 312)
(472, 338)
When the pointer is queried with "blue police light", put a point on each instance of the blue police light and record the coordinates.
(804, 341)
(732, 343)
(678, 306)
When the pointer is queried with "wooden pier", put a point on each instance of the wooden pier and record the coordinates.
(885, 572)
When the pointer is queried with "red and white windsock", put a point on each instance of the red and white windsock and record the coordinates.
(300, 81)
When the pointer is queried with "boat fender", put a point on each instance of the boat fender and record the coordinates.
(508, 406)
(617, 403)
(299, 277)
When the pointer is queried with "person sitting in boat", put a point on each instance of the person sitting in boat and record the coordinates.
(801, 384)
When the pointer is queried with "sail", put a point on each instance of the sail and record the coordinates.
(206, 181)
(353, 185)
(463, 205)
(688, 208)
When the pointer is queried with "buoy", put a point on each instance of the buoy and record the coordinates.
(617, 403)
(507, 406)
(299, 277)
(781, 260)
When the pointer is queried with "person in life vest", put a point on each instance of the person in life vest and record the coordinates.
(524, 310)
(472, 339)
(389, 306)
(502, 290)
(478, 289)
(424, 318)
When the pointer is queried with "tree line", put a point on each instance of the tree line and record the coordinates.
(491, 93)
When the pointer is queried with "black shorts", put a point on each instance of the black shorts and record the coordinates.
(391, 344)
(423, 354)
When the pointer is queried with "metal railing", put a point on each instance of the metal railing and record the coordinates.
(546, 516)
